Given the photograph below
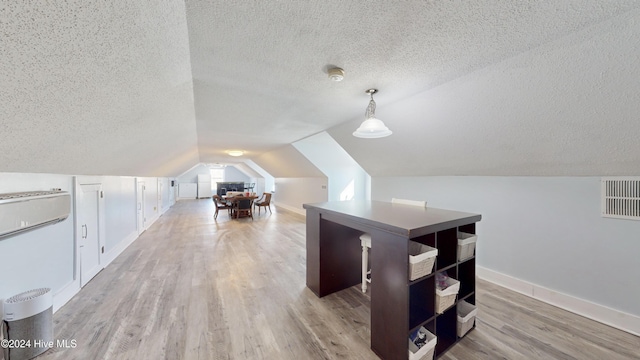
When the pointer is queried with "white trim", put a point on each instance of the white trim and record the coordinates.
(140, 205)
(65, 294)
(152, 221)
(84, 181)
(120, 247)
(615, 318)
(302, 212)
(72, 288)
(165, 209)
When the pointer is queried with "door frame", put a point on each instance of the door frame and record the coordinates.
(77, 190)
(159, 199)
(140, 195)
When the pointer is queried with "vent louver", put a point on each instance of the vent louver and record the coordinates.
(24, 211)
(621, 197)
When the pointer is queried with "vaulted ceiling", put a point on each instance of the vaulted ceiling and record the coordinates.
(468, 87)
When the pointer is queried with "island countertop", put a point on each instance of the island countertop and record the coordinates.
(406, 220)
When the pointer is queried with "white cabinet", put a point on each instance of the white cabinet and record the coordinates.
(204, 186)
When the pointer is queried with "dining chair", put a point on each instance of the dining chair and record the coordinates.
(242, 207)
(249, 186)
(264, 201)
(365, 242)
(220, 204)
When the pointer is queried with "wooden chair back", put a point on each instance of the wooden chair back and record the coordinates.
(265, 201)
(242, 207)
(220, 204)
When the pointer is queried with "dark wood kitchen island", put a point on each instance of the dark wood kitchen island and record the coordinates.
(398, 306)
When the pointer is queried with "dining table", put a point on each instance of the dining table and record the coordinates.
(237, 197)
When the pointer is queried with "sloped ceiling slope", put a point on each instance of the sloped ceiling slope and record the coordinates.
(566, 108)
(152, 88)
(287, 162)
(259, 67)
(247, 170)
(96, 88)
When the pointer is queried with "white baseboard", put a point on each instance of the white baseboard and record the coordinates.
(302, 212)
(118, 249)
(65, 294)
(617, 319)
(152, 220)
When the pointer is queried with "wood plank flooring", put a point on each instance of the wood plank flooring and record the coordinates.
(194, 288)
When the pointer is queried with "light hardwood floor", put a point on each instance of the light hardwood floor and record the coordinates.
(194, 288)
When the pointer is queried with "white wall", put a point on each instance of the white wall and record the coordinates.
(45, 257)
(120, 210)
(231, 174)
(261, 187)
(249, 168)
(264, 181)
(42, 257)
(168, 193)
(191, 176)
(544, 230)
(291, 193)
(346, 178)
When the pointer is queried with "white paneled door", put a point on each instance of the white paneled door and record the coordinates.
(89, 232)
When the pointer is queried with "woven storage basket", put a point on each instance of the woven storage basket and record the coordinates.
(421, 260)
(466, 317)
(426, 351)
(447, 297)
(466, 245)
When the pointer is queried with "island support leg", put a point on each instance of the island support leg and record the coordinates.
(389, 295)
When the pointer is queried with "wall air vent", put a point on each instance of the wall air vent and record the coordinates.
(30, 210)
(621, 197)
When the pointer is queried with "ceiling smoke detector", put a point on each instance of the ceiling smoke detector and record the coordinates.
(336, 74)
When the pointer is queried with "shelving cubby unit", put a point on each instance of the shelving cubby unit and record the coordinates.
(422, 291)
(334, 263)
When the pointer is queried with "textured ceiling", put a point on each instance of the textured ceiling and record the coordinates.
(152, 88)
(95, 88)
(566, 108)
(259, 68)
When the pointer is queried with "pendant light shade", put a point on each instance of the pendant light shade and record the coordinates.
(371, 127)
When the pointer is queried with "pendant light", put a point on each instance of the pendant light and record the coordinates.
(371, 127)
